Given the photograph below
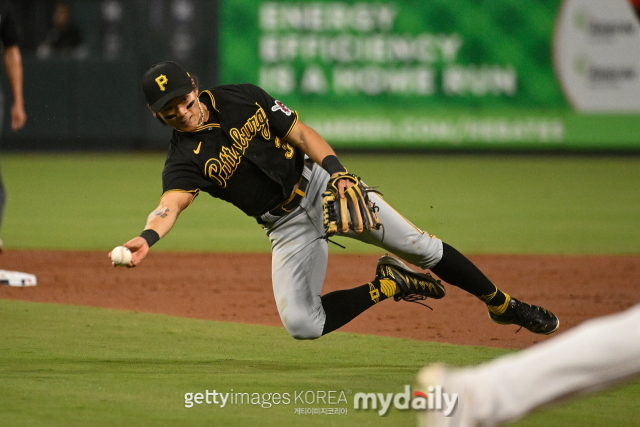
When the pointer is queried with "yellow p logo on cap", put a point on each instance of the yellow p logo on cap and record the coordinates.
(162, 80)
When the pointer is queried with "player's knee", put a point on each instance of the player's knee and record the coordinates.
(305, 336)
(302, 327)
(426, 252)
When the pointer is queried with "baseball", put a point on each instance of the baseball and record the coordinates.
(121, 256)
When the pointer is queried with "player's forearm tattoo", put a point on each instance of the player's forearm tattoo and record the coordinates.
(162, 214)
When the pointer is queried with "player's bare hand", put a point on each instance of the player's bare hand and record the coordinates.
(18, 117)
(342, 185)
(139, 249)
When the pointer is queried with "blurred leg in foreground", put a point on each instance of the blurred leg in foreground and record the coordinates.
(592, 356)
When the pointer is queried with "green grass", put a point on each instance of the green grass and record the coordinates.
(483, 204)
(67, 365)
(64, 365)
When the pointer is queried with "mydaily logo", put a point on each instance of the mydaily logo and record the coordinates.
(435, 399)
(331, 401)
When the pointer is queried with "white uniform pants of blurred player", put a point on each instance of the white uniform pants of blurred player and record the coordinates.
(299, 255)
(596, 354)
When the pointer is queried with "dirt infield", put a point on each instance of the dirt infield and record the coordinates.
(237, 288)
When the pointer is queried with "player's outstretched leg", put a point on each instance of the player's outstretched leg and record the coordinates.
(456, 269)
(393, 280)
(405, 240)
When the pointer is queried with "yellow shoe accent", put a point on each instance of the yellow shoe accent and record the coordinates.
(500, 309)
(486, 298)
(388, 287)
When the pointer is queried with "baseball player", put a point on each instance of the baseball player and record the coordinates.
(9, 35)
(237, 143)
(595, 355)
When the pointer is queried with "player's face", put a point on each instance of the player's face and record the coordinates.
(182, 112)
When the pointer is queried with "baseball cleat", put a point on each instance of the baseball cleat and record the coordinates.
(413, 286)
(531, 317)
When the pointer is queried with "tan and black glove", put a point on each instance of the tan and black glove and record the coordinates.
(355, 211)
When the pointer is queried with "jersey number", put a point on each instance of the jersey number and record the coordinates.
(286, 147)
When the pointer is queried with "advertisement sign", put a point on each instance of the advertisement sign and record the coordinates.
(598, 56)
(439, 74)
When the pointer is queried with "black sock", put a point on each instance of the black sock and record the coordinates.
(455, 269)
(341, 307)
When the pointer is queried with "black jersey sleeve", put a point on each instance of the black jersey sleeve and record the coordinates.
(281, 118)
(174, 182)
(178, 178)
(179, 175)
(9, 32)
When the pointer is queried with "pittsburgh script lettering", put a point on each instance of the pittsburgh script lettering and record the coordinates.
(222, 168)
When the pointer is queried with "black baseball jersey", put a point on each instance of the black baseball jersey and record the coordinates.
(9, 34)
(240, 154)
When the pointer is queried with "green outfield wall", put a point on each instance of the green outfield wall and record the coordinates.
(445, 73)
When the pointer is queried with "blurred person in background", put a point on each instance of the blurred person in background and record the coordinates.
(9, 34)
(64, 38)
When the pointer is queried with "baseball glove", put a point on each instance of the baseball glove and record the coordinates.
(356, 211)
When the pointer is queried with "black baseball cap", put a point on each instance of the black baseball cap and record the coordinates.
(163, 82)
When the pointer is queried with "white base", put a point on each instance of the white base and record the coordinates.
(16, 278)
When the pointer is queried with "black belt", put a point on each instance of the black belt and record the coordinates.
(294, 199)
